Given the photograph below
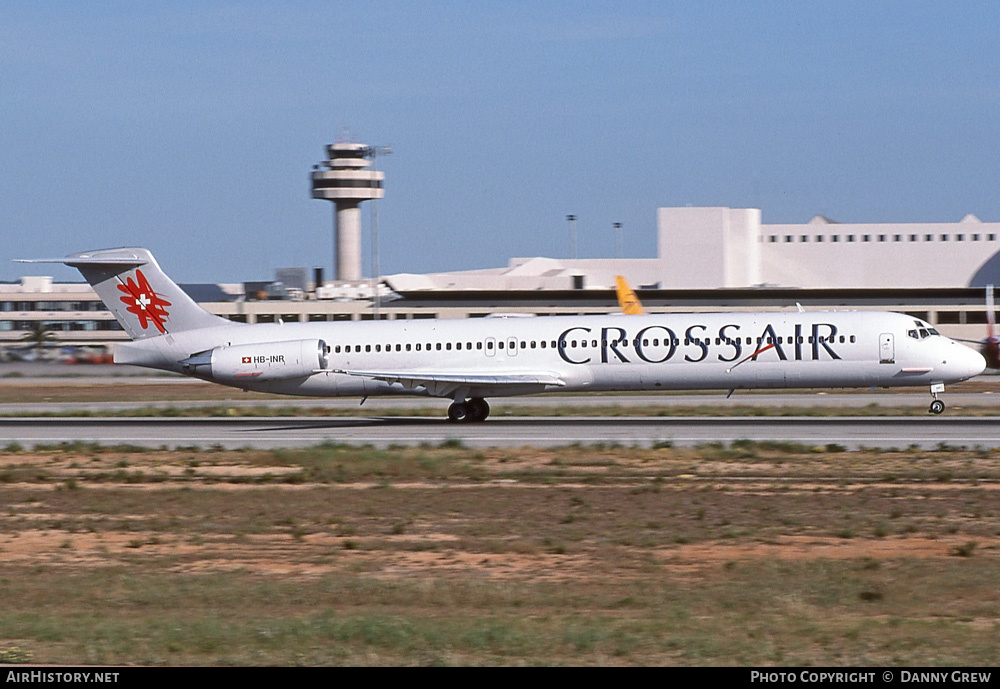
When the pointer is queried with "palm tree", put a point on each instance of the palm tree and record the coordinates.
(38, 335)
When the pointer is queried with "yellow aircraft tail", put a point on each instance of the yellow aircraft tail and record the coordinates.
(629, 303)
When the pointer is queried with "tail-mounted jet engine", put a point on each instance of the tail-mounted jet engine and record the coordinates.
(263, 361)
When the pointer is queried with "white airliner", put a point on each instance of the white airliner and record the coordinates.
(469, 360)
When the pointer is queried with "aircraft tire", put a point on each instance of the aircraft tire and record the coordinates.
(458, 411)
(479, 409)
(937, 406)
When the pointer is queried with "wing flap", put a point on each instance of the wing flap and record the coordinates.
(441, 383)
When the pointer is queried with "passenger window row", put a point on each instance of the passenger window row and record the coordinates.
(553, 344)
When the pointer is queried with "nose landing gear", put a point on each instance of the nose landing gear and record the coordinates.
(473, 410)
(937, 406)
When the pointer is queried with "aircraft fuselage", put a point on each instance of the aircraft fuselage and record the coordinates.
(600, 353)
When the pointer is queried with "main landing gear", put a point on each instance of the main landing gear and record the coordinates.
(937, 406)
(473, 410)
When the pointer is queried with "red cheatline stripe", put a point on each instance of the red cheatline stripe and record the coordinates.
(759, 351)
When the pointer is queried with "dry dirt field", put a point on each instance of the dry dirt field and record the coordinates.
(750, 554)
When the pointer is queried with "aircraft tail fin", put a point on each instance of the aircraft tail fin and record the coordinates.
(991, 323)
(138, 293)
(991, 345)
(627, 299)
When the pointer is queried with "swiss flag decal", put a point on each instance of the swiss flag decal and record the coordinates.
(246, 360)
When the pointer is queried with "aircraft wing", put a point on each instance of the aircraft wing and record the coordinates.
(442, 384)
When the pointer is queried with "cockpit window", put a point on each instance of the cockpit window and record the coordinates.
(921, 331)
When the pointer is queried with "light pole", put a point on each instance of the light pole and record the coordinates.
(374, 152)
(571, 219)
(618, 239)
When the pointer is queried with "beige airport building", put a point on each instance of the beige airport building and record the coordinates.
(730, 248)
(709, 259)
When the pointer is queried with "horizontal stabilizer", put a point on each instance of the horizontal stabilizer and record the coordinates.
(77, 261)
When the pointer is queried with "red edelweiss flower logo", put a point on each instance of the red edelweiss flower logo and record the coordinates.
(142, 301)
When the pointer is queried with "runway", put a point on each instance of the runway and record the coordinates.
(427, 424)
(280, 432)
(640, 403)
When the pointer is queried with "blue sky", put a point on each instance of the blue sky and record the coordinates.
(191, 127)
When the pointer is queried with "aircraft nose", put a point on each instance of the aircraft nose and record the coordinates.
(966, 362)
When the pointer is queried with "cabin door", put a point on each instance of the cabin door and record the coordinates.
(886, 349)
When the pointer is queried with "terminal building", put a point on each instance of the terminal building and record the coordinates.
(730, 248)
(708, 259)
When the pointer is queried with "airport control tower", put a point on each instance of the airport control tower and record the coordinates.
(344, 180)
